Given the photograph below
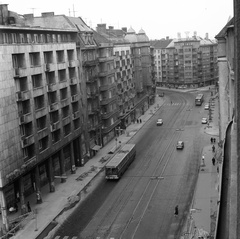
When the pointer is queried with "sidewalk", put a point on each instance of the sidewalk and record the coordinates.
(54, 203)
(202, 217)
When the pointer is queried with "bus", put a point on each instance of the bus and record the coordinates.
(118, 164)
(199, 99)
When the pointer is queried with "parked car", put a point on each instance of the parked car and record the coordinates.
(180, 145)
(161, 94)
(204, 120)
(159, 122)
(206, 107)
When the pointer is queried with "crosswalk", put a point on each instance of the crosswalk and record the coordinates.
(173, 104)
(65, 237)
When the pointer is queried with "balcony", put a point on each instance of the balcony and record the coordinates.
(51, 87)
(108, 114)
(19, 72)
(107, 129)
(50, 67)
(106, 58)
(74, 98)
(27, 140)
(76, 114)
(106, 101)
(23, 95)
(106, 73)
(88, 63)
(23, 119)
(54, 126)
(64, 102)
(91, 79)
(66, 120)
(72, 63)
(53, 107)
(106, 87)
(73, 81)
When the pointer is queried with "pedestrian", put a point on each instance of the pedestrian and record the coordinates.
(137, 120)
(16, 206)
(217, 169)
(203, 160)
(211, 140)
(213, 161)
(29, 207)
(140, 120)
(176, 211)
(213, 148)
(214, 140)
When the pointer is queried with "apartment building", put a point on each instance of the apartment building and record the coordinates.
(135, 71)
(107, 89)
(190, 61)
(125, 84)
(42, 133)
(228, 216)
(159, 52)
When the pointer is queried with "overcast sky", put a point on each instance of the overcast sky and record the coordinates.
(158, 18)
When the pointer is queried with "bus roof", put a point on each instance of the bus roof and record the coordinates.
(120, 155)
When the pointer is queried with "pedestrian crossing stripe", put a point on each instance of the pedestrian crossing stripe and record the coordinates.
(173, 104)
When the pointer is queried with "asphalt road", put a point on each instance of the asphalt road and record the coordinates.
(141, 204)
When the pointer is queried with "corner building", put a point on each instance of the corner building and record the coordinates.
(42, 135)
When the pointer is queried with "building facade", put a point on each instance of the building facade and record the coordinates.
(42, 133)
(189, 62)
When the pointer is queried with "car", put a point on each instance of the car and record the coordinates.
(204, 120)
(159, 122)
(161, 94)
(180, 145)
(206, 107)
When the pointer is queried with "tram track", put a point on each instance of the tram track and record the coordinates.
(120, 202)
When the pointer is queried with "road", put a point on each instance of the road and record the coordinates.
(141, 204)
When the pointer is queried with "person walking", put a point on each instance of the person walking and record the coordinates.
(29, 207)
(203, 160)
(213, 148)
(213, 161)
(176, 211)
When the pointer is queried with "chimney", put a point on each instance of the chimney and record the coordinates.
(101, 28)
(195, 35)
(47, 14)
(3, 14)
(167, 37)
(206, 36)
(28, 16)
(124, 29)
(111, 27)
(179, 35)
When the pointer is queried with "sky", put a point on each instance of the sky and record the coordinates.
(158, 18)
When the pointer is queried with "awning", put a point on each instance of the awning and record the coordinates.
(96, 147)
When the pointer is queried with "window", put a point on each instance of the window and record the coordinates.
(37, 81)
(35, 59)
(60, 56)
(39, 102)
(41, 123)
(63, 94)
(70, 54)
(65, 111)
(62, 75)
(50, 77)
(48, 57)
(18, 60)
(56, 136)
(43, 143)
(67, 129)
